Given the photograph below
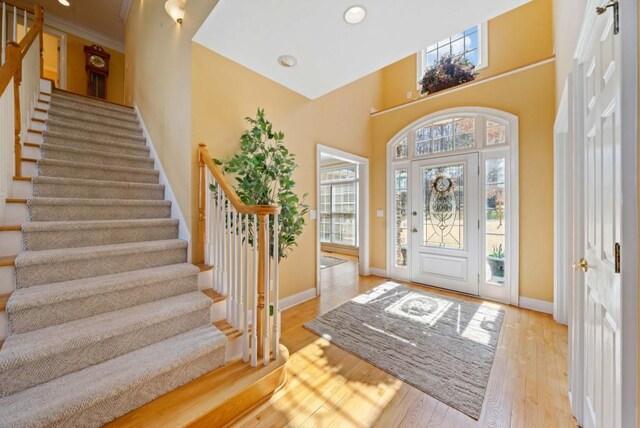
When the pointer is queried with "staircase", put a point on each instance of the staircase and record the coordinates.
(106, 314)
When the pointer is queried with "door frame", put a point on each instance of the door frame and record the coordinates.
(512, 189)
(363, 209)
(62, 64)
(629, 213)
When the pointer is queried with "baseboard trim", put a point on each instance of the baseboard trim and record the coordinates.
(183, 232)
(536, 305)
(382, 273)
(296, 299)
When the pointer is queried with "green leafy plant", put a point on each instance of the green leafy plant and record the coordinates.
(498, 252)
(263, 171)
(447, 72)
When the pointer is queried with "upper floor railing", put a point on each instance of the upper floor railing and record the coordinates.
(240, 243)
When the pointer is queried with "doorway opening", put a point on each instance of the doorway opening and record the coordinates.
(453, 203)
(342, 180)
(54, 55)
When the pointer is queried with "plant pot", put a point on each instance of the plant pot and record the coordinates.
(497, 266)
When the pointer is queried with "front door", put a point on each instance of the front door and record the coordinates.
(601, 190)
(445, 222)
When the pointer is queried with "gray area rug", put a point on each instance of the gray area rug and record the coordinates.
(328, 261)
(441, 345)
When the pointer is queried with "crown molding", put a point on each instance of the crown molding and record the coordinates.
(77, 30)
(125, 5)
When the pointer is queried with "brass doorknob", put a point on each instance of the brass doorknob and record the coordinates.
(582, 264)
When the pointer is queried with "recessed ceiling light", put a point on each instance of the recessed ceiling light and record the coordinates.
(287, 61)
(64, 2)
(355, 14)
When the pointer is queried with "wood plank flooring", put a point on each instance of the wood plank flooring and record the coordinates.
(328, 387)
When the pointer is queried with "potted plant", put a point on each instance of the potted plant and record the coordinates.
(446, 72)
(263, 171)
(496, 261)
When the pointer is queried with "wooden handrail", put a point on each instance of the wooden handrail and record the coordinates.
(20, 5)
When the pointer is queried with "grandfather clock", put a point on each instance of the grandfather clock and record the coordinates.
(97, 67)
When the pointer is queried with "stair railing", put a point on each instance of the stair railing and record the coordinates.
(20, 71)
(240, 243)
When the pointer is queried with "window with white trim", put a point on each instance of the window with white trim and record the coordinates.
(339, 205)
(470, 44)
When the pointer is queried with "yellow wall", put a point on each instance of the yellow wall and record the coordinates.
(50, 57)
(158, 81)
(77, 75)
(528, 95)
(339, 119)
(519, 37)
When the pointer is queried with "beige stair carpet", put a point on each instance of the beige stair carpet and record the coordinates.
(106, 314)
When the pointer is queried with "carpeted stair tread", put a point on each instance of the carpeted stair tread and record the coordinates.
(94, 128)
(97, 202)
(71, 108)
(94, 171)
(94, 189)
(62, 139)
(47, 235)
(29, 258)
(53, 151)
(89, 118)
(91, 102)
(80, 289)
(69, 209)
(50, 266)
(100, 393)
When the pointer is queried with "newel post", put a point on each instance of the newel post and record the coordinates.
(202, 204)
(14, 55)
(263, 253)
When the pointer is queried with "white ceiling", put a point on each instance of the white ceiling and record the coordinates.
(330, 52)
(101, 18)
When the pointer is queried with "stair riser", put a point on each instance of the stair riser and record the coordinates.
(30, 152)
(40, 115)
(95, 192)
(49, 153)
(81, 118)
(48, 170)
(93, 212)
(41, 105)
(96, 136)
(22, 376)
(7, 279)
(21, 189)
(135, 150)
(37, 125)
(8, 241)
(46, 273)
(88, 103)
(128, 400)
(29, 169)
(59, 313)
(15, 214)
(36, 241)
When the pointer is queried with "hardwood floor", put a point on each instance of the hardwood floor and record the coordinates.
(329, 387)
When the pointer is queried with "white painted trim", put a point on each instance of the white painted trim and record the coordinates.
(363, 215)
(463, 87)
(486, 291)
(291, 301)
(536, 305)
(183, 231)
(382, 273)
(62, 65)
(83, 32)
(125, 5)
(563, 209)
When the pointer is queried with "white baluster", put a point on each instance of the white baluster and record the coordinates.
(4, 31)
(267, 292)
(276, 309)
(227, 254)
(236, 272)
(220, 223)
(245, 291)
(14, 29)
(24, 25)
(254, 293)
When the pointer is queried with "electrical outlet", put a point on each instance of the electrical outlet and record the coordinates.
(312, 214)
(380, 213)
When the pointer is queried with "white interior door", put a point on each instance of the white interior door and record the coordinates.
(601, 195)
(445, 222)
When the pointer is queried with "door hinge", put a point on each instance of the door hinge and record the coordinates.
(478, 279)
(478, 224)
(617, 257)
(616, 13)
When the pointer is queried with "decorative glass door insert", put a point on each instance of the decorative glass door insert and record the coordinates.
(443, 206)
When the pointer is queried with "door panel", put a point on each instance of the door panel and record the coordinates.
(444, 222)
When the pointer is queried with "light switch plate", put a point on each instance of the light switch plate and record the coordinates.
(312, 214)
(409, 95)
(380, 213)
